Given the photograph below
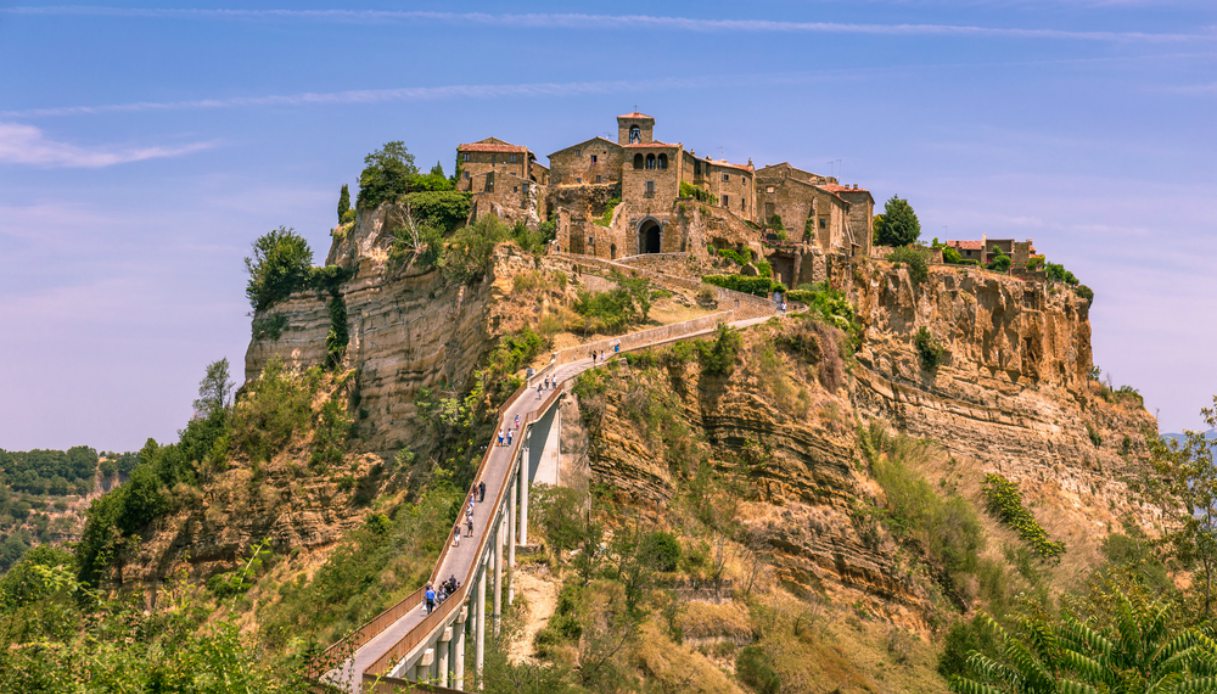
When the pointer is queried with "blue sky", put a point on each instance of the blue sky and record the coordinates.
(142, 150)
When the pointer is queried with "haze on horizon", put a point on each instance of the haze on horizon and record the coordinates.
(142, 149)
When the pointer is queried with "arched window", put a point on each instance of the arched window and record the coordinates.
(635, 134)
(663, 161)
(637, 161)
(650, 161)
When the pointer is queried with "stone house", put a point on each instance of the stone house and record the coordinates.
(982, 251)
(505, 180)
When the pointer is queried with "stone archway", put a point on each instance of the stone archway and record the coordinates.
(650, 236)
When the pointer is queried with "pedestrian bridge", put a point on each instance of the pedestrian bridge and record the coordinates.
(404, 645)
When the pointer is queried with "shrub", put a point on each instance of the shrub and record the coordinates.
(279, 266)
(951, 255)
(606, 217)
(755, 668)
(1000, 262)
(1058, 273)
(688, 190)
(445, 210)
(931, 351)
(612, 311)
(1086, 293)
(717, 357)
(914, 259)
(832, 307)
(269, 327)
(348, 217)
(274, 407)
(1004, 501)
(1035, 262)
(760, 286)
(898, 226)
(660, 550)
(467, 255)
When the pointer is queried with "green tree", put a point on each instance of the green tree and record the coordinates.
(899, 225)
(1000, 262)
(386, 175)
(1137, 652)
(214, 390)
(344, 203)
(1185, 485)
(279, 266)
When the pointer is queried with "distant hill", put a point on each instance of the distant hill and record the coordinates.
(44, 494)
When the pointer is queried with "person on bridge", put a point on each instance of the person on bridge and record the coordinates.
(429, 596)
(517, 422)
(481, 491)
(538, 391)
(500, 437)
(469, 526)
(456, 536)
(509, 432)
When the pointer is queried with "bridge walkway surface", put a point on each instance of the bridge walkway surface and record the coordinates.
(374, 649)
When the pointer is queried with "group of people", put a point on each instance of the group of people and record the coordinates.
(476, 496)
(433, 597)
(601, 357)
(548, 383)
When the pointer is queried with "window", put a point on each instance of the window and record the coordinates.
(513, 158)
(769, 211)
(637, 161)
(489, 188)
(663, 161)
(593, 158)
(597, 179)
(769, 189)
(467, 175)
(650, 161)
(635, 134)
(726, 201)
(650, 189)
(464, 156)
(579, 179)
(823, 222)
(696, 167)
(726, 178)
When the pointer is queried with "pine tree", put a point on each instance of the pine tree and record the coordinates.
(900, 226)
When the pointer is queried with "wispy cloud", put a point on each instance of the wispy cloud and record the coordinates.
(631, 22)
(371, 96)
(28, 145)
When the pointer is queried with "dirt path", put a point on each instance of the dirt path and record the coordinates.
(537, 593)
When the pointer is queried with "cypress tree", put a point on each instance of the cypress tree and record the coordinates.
(344, 202)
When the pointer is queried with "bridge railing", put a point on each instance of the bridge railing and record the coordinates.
(441, 614)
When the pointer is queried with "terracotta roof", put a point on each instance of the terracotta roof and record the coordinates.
(729, 165)
(967, 245)
(838, 188)
(636, 114)
(490, 144)
(653, 143)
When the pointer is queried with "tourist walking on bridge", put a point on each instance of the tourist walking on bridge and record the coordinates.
(456, 536)
(481, 491)
(469, 525)
(429, 596)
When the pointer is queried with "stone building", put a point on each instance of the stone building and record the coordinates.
(505, 180)
(982, 251)
(639, 194)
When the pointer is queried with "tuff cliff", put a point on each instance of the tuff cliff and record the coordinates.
(1014, 395)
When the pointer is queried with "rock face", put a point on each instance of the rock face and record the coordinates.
(408, 329)
(1014, 396)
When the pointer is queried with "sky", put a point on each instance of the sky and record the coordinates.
(144, 147)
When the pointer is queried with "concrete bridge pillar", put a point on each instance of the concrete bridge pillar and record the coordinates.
(511, 539)
(458, 649)
(498, 575)
(443, 647)
(524, 478)
(422, 670)
(479, 637)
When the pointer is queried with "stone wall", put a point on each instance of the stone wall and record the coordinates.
(574, 165)
(475, 165)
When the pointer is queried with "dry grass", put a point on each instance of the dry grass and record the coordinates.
(676, 668)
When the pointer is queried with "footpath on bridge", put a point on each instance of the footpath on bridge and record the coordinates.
(376, 648)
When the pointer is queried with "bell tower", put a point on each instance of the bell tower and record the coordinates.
(635, 128)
